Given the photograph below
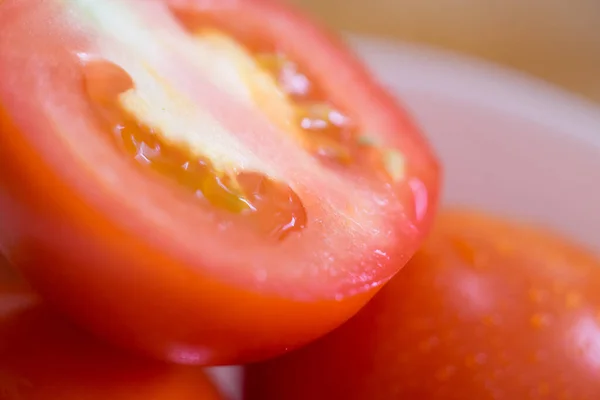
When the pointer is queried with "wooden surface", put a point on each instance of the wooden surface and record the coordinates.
(558, 40)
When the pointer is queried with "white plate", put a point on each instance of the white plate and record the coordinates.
(509, 143)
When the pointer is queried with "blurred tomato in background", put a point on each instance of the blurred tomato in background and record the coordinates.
(487, 309)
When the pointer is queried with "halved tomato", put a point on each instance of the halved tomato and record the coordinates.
(44, 357)
(206, 181)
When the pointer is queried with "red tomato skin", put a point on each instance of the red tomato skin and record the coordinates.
(66, 238)
(487, 309)
(44, 357)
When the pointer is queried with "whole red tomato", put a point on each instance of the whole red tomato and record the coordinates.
(44, 357)
(205, 181)
(487, 309)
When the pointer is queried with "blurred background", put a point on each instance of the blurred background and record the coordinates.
(557, 40)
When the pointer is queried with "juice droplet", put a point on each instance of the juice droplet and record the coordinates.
(287, 212)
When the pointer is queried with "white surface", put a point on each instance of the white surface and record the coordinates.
(509, 144)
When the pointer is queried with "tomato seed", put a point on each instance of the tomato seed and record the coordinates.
(271, 206)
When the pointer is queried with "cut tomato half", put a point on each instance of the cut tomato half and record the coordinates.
(205, 181)
(44, 357)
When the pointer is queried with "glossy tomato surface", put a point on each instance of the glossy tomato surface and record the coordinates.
(44, 357)
(487, 309)
(208, 182)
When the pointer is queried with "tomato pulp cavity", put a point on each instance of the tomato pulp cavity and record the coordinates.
(221, 178)
(487, 309)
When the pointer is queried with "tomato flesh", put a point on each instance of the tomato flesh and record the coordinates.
(151, 149)
(487, 309)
